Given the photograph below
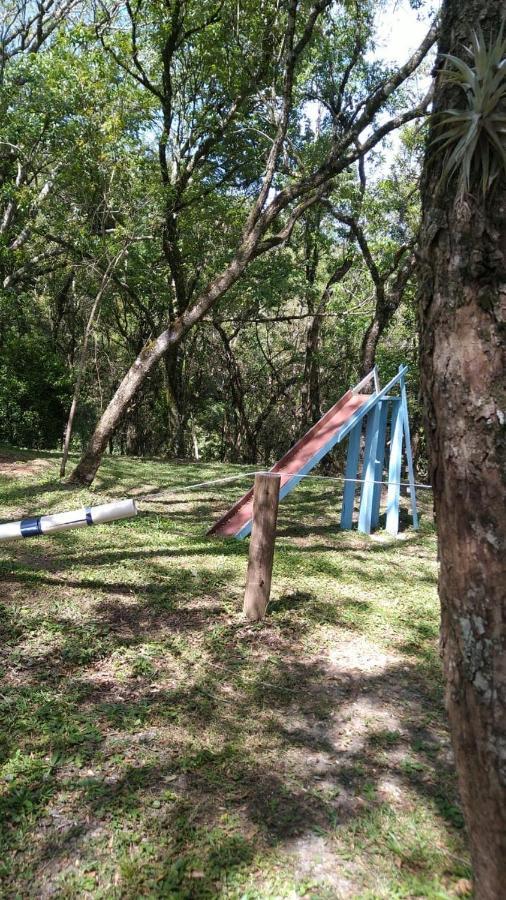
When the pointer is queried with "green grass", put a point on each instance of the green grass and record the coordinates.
(155, 744)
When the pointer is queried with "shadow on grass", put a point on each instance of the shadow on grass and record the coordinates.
(176, 790)
(161, 742)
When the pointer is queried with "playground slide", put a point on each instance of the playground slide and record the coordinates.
(299, 460)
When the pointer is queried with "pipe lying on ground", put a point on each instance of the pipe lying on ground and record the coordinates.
(89, 515)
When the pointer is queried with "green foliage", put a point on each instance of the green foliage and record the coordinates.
(79, 118)
(473, 137)
(34, 385)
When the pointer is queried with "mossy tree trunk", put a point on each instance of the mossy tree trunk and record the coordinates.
(463, 317)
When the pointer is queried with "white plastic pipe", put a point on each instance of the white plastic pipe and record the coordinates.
(90, 515)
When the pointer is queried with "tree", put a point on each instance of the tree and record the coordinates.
(27, 167)
(81, 364)
(73, 189)
(463, 314)
(27, 26)
(390, 260)
(229, 84)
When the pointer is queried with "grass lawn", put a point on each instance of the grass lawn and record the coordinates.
(154, 744)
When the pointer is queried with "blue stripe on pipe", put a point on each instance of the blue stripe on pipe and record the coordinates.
(30, 527)
(89, 519)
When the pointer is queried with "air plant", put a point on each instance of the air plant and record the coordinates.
(474, 138)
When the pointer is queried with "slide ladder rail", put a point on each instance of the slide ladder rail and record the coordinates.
(303, 456)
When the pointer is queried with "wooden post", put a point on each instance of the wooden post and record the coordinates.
(261, 547)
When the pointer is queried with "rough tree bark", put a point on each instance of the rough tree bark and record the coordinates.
(310, 391)
(463, 317)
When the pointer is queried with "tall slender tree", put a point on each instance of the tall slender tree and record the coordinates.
(463, 316)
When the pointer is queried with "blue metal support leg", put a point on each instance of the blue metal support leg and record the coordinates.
(409, 456)
(380, 462)
(351, 474)
(394, 468)
(369, 468)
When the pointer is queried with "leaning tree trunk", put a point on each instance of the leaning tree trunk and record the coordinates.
(259, 234)
(167, 342)
(463, 318)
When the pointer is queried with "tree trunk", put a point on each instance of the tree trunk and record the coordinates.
(387, 303)
(177, 415)
(311, 408)
(370, 344)
(463, 317)
(81, 368)
(246, 436)
(310, 405)
(311, 395)
(149, 356)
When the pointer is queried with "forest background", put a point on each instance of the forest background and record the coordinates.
(127, 170)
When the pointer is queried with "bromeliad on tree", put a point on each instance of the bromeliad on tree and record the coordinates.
(474, 136)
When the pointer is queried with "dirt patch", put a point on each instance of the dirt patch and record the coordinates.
(20, 468)
(313, 859)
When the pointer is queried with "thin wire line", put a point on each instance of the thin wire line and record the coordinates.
(230, 478)
(342, 479)
(199, 484)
